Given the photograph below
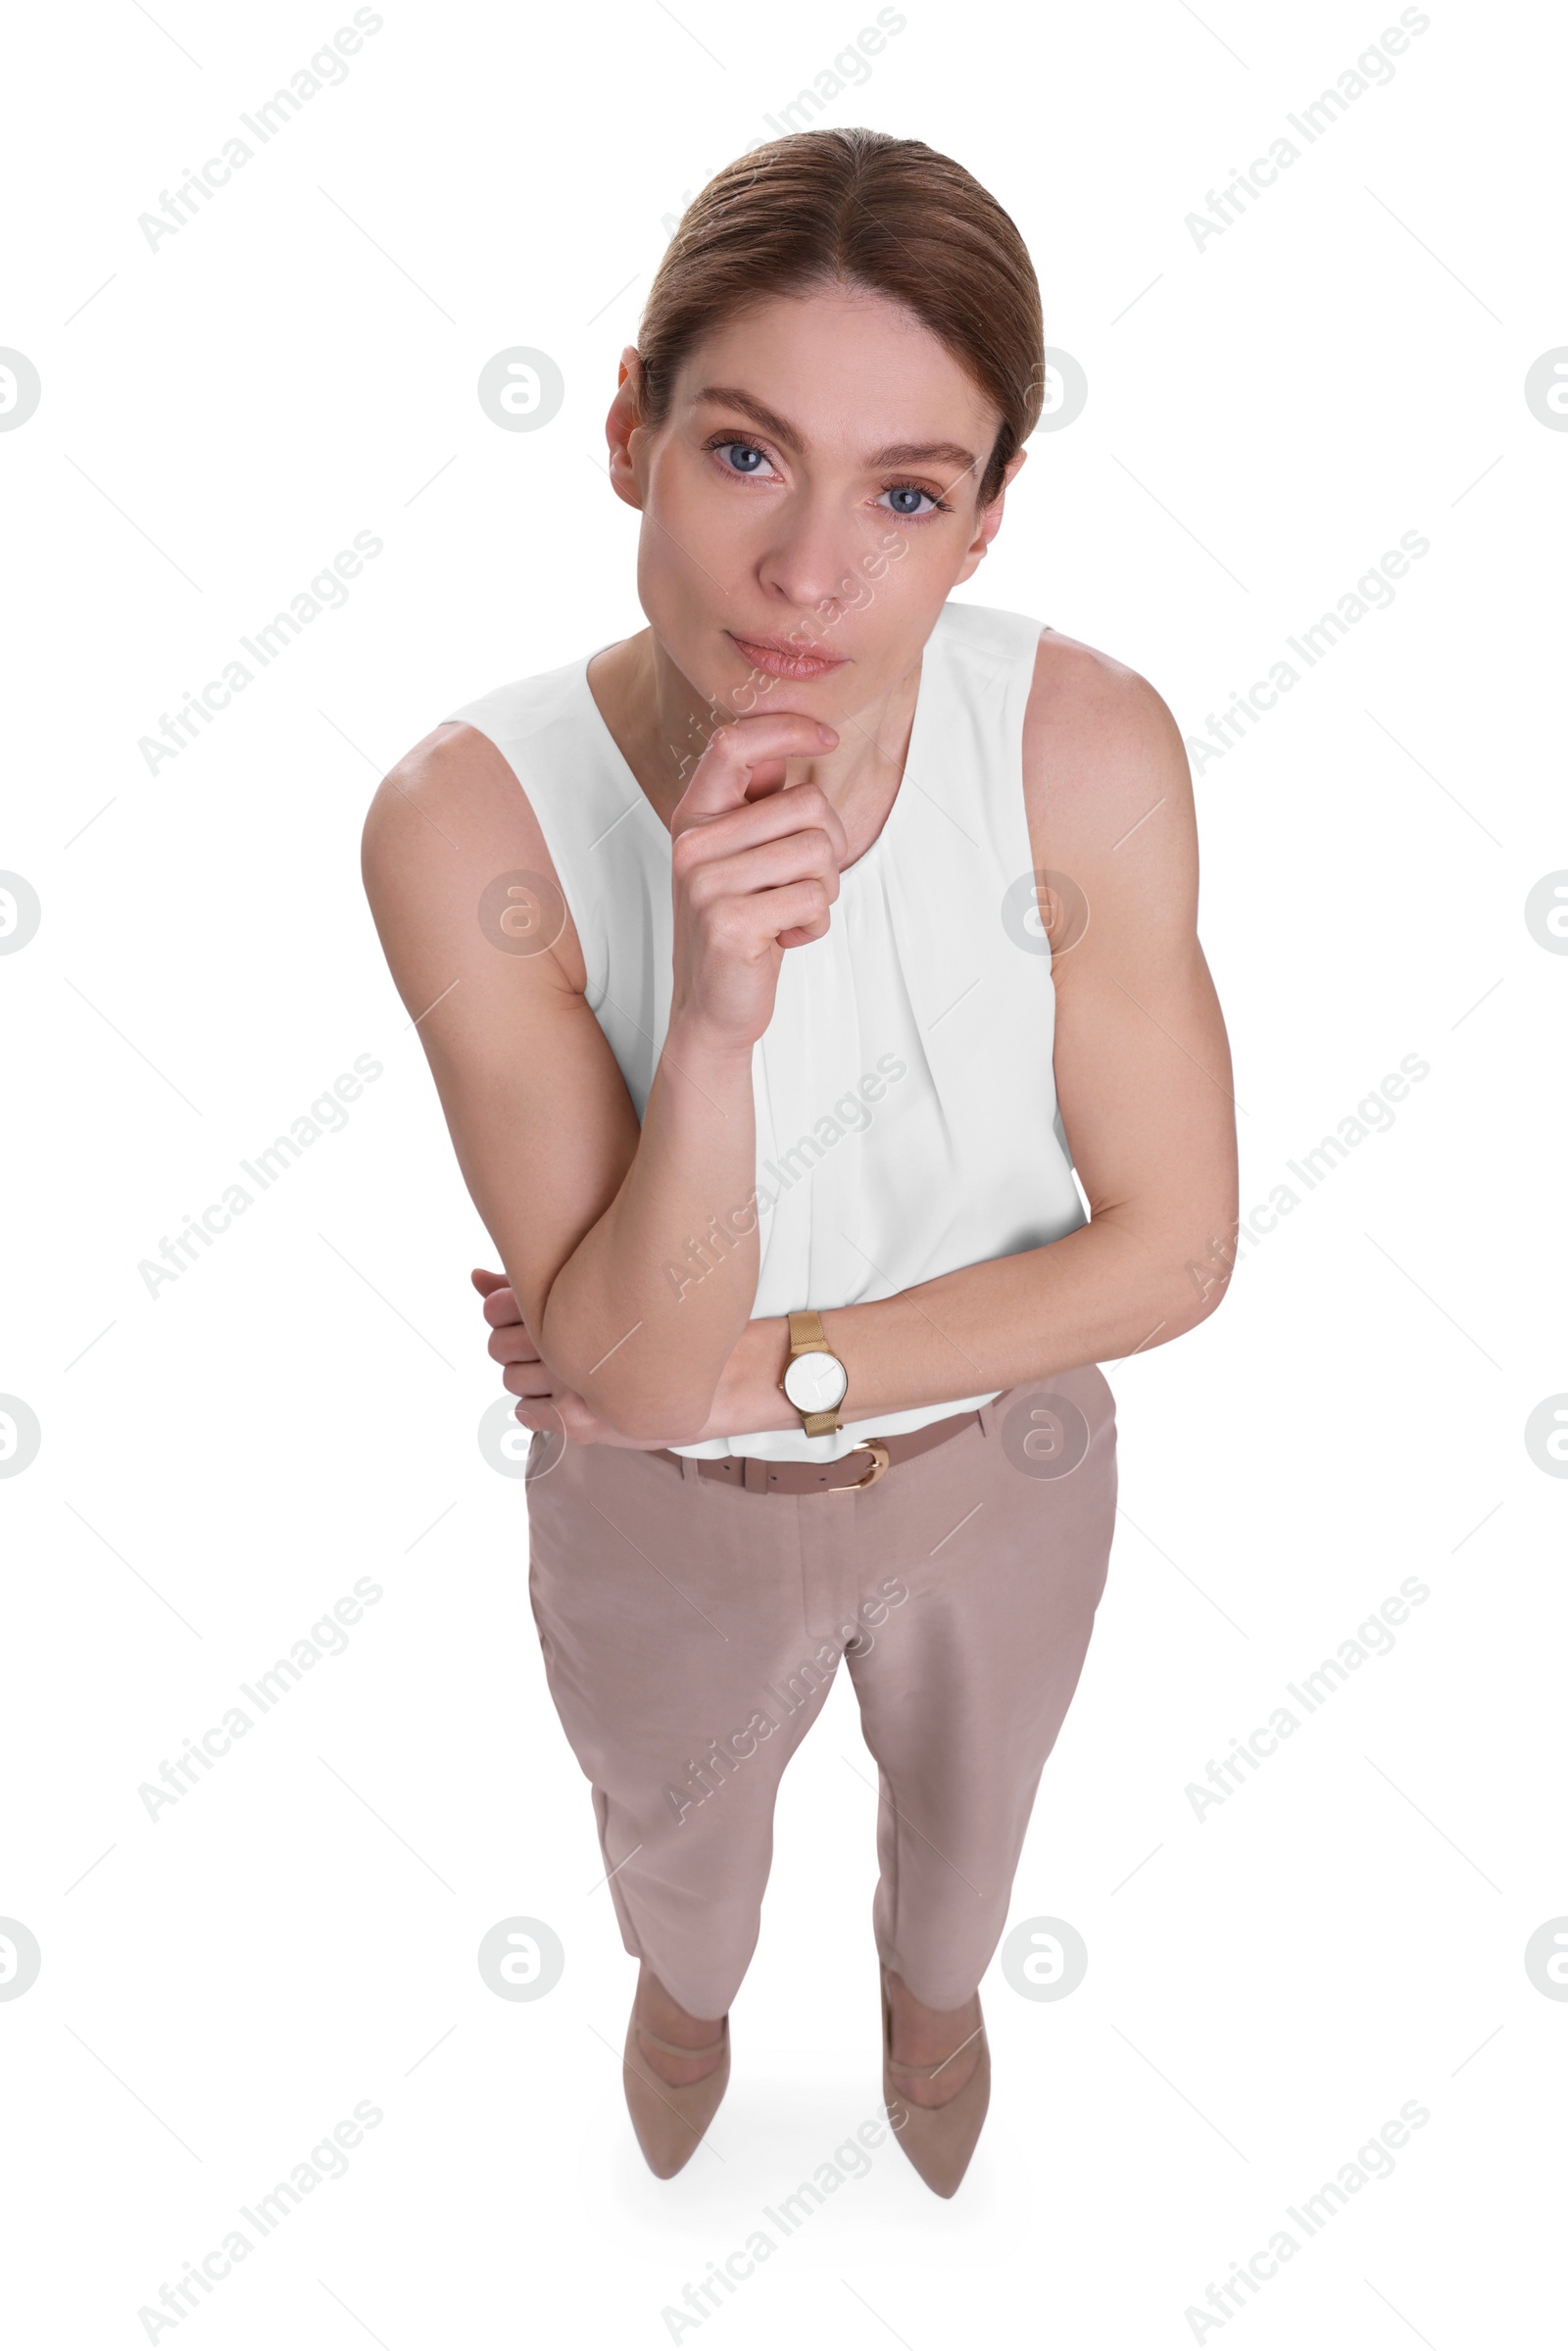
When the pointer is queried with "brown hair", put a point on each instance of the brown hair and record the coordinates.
(862, 208)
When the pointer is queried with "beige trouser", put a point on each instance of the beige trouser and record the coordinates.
(691, 1629)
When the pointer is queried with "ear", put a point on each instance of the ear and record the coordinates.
(988, 523)
(623, 425)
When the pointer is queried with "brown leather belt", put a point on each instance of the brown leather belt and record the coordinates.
(846, 1475)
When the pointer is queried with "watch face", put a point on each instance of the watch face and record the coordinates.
(815, 1383)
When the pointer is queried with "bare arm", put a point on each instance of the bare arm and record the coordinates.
(1142, 1077)
(586, 1208)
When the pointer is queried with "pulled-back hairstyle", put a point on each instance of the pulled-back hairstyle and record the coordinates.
(861, 208)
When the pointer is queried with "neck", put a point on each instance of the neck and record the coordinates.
(661, 724)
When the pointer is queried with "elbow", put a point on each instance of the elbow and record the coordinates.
(647, 1425)
(643, 1419)
(645, 1401)
(1207, 1306)
(1206, 1270)
(1212, 1283)
(1169, 1278)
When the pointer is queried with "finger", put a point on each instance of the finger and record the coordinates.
(500, 1308)
(570, 1419)
(799, 907)
(512, 1345)
(774, 818)
(534, 1380)
(484, 1281)
(583, 1425)
(724, 769)
(794, 857)
(540, 1416)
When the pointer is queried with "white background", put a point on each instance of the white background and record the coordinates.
(1266, 1985)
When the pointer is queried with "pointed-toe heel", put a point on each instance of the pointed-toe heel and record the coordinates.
(669, 2120)
(938, 2140)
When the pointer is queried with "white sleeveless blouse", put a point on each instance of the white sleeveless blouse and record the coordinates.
(907, 1118)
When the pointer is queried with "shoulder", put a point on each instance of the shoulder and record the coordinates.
(1093, 712)
(471, 767)
(456, 772)
(446, 821)
(481, 765)
(1103, 765)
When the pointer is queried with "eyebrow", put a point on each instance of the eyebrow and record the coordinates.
(897, 452)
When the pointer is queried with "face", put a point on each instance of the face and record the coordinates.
(809, 501)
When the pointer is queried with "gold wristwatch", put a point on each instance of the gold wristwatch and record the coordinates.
(815, 1380)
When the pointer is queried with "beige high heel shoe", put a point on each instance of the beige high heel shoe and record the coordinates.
(938, 2140)
(669, 2120)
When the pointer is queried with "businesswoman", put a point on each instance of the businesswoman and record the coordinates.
(777, 966)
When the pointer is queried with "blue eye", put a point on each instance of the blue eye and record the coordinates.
(909, 502)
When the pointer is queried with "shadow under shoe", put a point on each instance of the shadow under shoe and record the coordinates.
(669, 2121)
(938, 2140)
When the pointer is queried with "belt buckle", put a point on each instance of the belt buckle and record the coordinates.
(879, 1466)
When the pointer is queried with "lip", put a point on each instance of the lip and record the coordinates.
(777, 656)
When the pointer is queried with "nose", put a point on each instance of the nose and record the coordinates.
(810, 561)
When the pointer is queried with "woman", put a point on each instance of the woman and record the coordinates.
(765, 962)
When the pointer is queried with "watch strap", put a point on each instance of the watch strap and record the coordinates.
(808, 1338)
(806, 1334)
